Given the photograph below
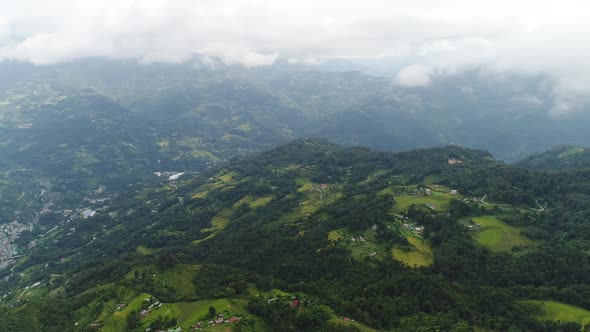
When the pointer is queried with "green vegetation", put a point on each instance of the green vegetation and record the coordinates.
(561, 312)
(558, 159)
(417, 254)
(253, 202)
(144, 250)
(337, 230)
(498, 235)
(221, 220)
(440, 200)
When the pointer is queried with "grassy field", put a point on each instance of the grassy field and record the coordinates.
(144, 250)
(192, 312)
(187, 313)
(201, 194)
(347, 324)
(203, 154)
(221, 220)
(178, 280)
(336, 235)
(118, 321)
(307, 207)
(561, 312)
(261, 201)
(166, 310)
(228, 177)
(254, 202)
(223, 180)
(499, 236)
(359, 250)
(440, 199)
(365, 249)
(419, 255)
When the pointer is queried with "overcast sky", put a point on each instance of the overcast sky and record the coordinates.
(532, 37)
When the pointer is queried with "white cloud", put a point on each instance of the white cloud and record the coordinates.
(524, 36)
(414, 76)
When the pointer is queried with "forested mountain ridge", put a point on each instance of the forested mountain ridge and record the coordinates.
(71, 130)
(259, 108)
(445, 238)
(558, 159)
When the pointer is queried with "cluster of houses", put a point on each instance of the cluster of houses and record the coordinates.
(422, 192)
(174, 329)
(414, 228)
(88, 213)
(429, 192)
(92, 326)
(295, 302)
(474, 227)
(35, 285)
(171, 176)
(8, 234)
(358, 239)
(453, 161)
(220, 319)
(431, 206)
(153, 306)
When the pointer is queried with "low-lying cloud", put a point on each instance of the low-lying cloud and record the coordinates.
(528, 37)
(414, 76)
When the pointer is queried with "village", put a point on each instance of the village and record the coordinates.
(8, 234)
(218, 320)
(151, 307)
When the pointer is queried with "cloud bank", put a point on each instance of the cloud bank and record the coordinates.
(529, 36)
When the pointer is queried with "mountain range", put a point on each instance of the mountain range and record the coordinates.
(160, 197)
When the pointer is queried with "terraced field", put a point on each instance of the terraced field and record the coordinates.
(561, 312)
(419, 255)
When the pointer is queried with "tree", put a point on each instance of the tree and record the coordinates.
(212, 311)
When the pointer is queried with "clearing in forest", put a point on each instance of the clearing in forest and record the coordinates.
(441, 200)
(417, 254)
(497, 235)
(254, 202)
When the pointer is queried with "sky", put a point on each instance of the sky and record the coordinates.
(549, 38)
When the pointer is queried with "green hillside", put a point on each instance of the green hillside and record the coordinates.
(561, 312)
(558, 159)
(317, 236)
